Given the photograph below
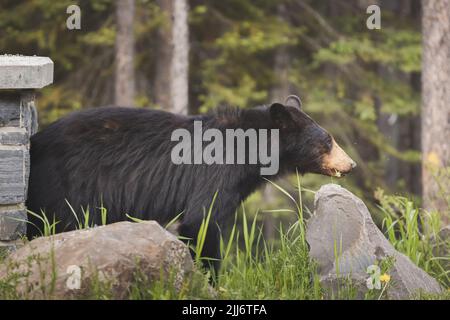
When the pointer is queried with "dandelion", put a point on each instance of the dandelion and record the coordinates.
(385, 278)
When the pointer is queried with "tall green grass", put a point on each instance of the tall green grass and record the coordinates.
(263, 270)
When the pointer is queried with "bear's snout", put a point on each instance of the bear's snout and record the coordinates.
(337, 163)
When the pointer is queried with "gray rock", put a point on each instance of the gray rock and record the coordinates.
(113, 254)
(344, 241)
(24, 72)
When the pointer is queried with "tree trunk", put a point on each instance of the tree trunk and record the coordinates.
(435, 100)
(124, 77)
(180, 59)
(172, 68)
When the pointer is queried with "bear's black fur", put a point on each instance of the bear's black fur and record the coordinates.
(119, 158)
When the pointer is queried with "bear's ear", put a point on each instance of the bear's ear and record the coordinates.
(293, 101)
(280, 115)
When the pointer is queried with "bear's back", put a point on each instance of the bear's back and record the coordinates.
(110, 154)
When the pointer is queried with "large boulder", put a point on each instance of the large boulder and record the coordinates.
(68, 265)
(344, 241)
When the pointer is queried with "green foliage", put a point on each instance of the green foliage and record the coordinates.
(415, 233)
(49, 226)
(284, 272)
(396, 49)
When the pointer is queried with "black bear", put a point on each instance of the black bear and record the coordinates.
(120, 158)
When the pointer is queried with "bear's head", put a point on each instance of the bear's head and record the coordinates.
(304, 144)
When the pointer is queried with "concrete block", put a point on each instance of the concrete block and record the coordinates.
(25, 72)
(19, 76)
(13, 172)
(10, 109)
(10, 136)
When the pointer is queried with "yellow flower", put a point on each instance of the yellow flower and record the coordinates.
(433, 159)
(385, 278)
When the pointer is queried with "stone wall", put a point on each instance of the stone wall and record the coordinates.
(19, 76)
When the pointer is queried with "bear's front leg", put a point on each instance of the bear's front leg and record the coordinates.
(223, 209)
(210, 254)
